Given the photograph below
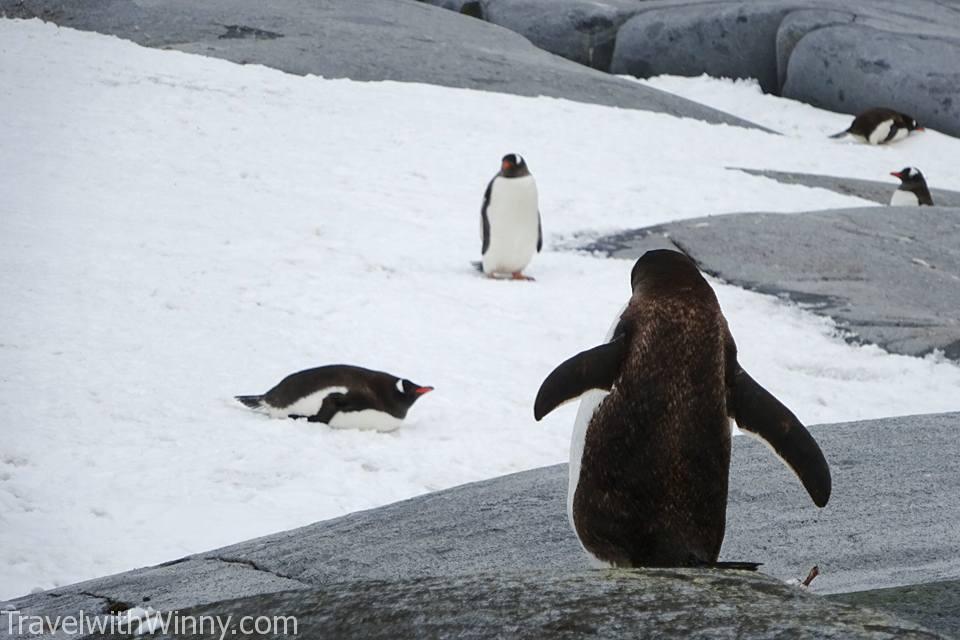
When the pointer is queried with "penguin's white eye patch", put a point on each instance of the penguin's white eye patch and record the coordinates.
(519, 159)
(912, 172)
(399, 385)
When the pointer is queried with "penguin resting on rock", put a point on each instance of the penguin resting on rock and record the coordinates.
(342, 396)
(880, 126)
(913, 189)
(510, 228)
(650, 455)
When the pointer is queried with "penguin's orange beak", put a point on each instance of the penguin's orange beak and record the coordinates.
(896, 174)
(920, 129)
(422, 390)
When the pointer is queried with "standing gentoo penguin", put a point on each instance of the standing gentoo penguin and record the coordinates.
(880, 126)
(913, 189)
(650, 456)
(510, 220)
(342, 396)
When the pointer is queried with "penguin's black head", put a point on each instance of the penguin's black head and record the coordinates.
(410, 391)
(909, 175)
(513, 166)
(664, 271)
(912, 124)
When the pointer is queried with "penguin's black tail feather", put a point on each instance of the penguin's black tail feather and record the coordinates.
(735, 566)
(840, 134)
(478, 266)
(253, 402)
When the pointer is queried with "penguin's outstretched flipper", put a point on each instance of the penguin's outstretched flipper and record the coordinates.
(759, 413)
(254, 402)
(595, 368)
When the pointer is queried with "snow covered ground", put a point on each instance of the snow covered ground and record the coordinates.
(175, 230)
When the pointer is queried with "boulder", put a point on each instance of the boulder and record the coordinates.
(845, 57)
(888, 275)
(934, 605)
(854, 67)
(726, 39)
(398, 40)
(797, 24)
(890, 522)
(580, 30)
(879, 192)
(563, 604)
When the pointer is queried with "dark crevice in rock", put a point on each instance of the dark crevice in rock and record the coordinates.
(235, 31)
(111, 606)
(170, 563)
(253, 565)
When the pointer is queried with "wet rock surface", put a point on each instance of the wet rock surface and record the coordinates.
(562, 604)
(935, 605)
(888, 275)
(890, 522)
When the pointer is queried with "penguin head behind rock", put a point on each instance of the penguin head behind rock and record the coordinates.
(908, 175)
(513, 166)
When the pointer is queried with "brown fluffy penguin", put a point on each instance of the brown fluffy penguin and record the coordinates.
(650, 457)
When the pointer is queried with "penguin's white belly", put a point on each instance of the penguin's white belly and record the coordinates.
(513, 215)
(904, 198)
(305, 406)
(880, 133)
(900, 134)
(365, 420)
(588, 406)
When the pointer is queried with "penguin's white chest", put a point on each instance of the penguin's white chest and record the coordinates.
(365, 420)
(904, 198)
(882, 130)
(514, 217)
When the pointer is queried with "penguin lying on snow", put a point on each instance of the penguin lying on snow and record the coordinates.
(880, 126)
(510, 220)
(650, 456)
(342, 396)
(913, 189)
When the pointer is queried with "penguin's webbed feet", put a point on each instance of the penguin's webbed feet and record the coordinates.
(517, 275)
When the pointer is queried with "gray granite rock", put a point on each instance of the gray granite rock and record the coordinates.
(473, 8)
(854, 67)
(843, 56)
(729, 39)
(934, 605)
(580, 30)
(879, 192)
(889, 275)
(796, 25)
(565, 604)
(890, 522)
(389, 40)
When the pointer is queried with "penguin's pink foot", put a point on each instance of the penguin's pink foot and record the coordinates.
(519, 276)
